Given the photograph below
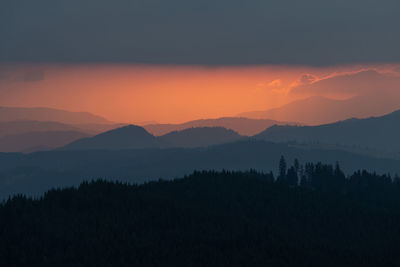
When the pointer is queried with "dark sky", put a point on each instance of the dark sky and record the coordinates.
(210, 32)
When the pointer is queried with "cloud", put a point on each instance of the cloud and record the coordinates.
(307, 79)
(210, 32)
(275, 83)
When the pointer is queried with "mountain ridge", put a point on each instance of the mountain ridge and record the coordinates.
(137, 137)
(8, 114)
(241, 125)
(375, 132)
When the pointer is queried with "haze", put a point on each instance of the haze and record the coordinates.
(142, 94)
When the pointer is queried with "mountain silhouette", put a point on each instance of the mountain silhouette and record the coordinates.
(358, 89)
(243, 126)
(96, 128)
(317, 110)
(375, 132)
(198, 137)
(361, 83)
(127, 137)
(48, 114)
(36, 141)
(136, 137)
(19, 127)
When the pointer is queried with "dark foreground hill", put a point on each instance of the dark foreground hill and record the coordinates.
(37, 172)
(209, 219)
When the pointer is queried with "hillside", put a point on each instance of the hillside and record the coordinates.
(37, 172)
(209, 219)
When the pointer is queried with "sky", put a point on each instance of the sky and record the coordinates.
(172, 61)
(172, 94)
(207, 32)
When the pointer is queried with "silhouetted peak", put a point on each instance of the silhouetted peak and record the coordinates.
(127, 130)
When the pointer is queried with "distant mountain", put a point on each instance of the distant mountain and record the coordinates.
(360, 83)
(243, 126)
(319, 110)
(19, 127)
(127, 137)
(36, 141)
(198, 137)
(31, 136)
(373, 94)
(136, 137)
(37, 172)
(48, 114)
(375, 132)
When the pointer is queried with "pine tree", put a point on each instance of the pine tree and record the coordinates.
(282, 170)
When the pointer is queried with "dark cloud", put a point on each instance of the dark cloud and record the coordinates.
(212, 32)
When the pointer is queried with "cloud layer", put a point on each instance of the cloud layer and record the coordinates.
(211, 32)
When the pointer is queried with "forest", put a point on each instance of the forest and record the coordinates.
(308, 214)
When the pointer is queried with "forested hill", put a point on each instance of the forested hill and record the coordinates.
(211, 219)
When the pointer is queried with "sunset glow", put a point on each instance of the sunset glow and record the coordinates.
(166, 94)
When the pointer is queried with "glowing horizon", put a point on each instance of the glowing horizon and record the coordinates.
(164, 93)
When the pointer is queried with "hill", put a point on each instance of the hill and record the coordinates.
(37, 172)
(136, 137)
(198, 137)
(380, 133)
(127, 137)
(243, 126)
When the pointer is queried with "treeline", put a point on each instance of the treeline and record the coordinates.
(308, 215)
(326, 177)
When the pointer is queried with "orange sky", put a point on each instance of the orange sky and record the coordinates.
(141, 93)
